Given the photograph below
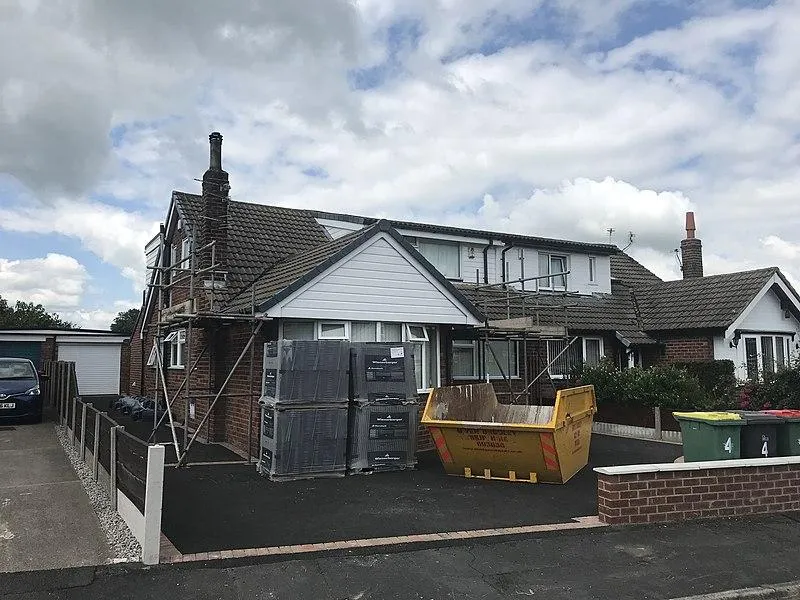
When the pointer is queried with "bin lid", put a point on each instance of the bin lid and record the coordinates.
(754, 416)
(787, 414)
(713, 418)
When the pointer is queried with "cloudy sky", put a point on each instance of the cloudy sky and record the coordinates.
(561, 118)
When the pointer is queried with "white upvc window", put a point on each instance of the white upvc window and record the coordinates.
(174, 255)
(592, 269)
(175, 343)
(298, 330)
(426, 359)
(765, 354)
(465, 359)
(501, 358)
(152, 360)
(553, 264)
(333, 330)
(445, 256)
(185, 254)
(586, 351)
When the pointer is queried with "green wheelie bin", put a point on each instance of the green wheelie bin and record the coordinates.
(788, 432)
(710, 435)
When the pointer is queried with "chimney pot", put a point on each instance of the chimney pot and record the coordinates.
(690, 226)
(215, 159)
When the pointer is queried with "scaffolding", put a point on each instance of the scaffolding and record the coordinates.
(181, 322)
(524, 323)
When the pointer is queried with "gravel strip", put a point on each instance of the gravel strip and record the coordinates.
(124, 546)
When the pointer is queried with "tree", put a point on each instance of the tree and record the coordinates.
(125, 321)
(27, 315)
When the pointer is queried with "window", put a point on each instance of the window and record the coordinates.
(500, 356)
(364, 331)
(593, 351)
(751, 358)
(332, 331)
(583, 351)
(765, 354)
(298, 330)
(550, 264)
(175, 343)
(444, 256)
(152, 359)
(185, 253)
(465, 359)
(423, 340)
(175, 255)
(592, 269)
(391, 332)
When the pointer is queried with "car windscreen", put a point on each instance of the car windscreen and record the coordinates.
(16, 369)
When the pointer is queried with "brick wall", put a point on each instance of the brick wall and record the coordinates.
(124, 367)
(687, 347)
(657, 497)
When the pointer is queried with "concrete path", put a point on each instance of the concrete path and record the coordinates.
(46, 521)
(612, 563)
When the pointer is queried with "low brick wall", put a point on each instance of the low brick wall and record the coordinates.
(676, 491)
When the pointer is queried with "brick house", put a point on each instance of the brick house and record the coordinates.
(520, 311)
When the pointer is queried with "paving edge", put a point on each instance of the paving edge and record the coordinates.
(787, 591)
(424, 538)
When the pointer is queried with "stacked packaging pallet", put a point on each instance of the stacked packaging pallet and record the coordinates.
(304, 409)
(383, 412)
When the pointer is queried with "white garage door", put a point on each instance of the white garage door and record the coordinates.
(96, 365)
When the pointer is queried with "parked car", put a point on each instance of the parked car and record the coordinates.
(20, 393)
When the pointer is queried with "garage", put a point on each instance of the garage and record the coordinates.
(97, 364)
(22, 348)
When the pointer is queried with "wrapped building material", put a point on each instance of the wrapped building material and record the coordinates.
(383, 437)
(383, 371)
(300, 441)
(306, 371)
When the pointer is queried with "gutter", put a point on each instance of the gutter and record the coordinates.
(506, 248)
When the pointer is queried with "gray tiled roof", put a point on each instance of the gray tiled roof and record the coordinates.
(711, 302)
(259, 237)
(630, 272)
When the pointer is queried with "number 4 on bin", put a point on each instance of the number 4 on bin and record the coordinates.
(729, 446)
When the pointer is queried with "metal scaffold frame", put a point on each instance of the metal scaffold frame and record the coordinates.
(191, 317)
(522, 325)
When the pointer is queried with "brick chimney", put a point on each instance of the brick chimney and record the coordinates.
(691, 251)
(214, 225)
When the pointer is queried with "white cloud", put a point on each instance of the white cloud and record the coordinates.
(116, 236)
(55, 281)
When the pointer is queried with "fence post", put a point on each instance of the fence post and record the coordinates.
(153, 495)
(83, 431)
(657, 413)
(74, 410)
(97, 417)
(112, 465)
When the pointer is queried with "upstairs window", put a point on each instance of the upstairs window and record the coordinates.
(175, 343)
(445, 256)
(592, 269)
(553, 264)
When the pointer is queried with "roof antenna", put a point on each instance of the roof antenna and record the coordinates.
(631, 237)
(610, 232)
(678, 258)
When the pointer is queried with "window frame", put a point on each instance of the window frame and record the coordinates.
(344, 336)
(419, 241)
(593, 270)
(152, 359)
(185, 253)
(176, 342)
(582, 347)
(548, 282)
(478, 348)
(758, 339)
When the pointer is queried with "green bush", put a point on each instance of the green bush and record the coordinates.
(667, 386)
(777, 390)
(716, 377)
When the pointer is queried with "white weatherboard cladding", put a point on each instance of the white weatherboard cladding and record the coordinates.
(96, 366)
(767, 315)
(380, 281)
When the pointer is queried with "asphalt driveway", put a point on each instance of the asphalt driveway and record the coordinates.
(46, 521)
(227, 507)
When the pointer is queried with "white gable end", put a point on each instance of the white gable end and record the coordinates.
(379, 281)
